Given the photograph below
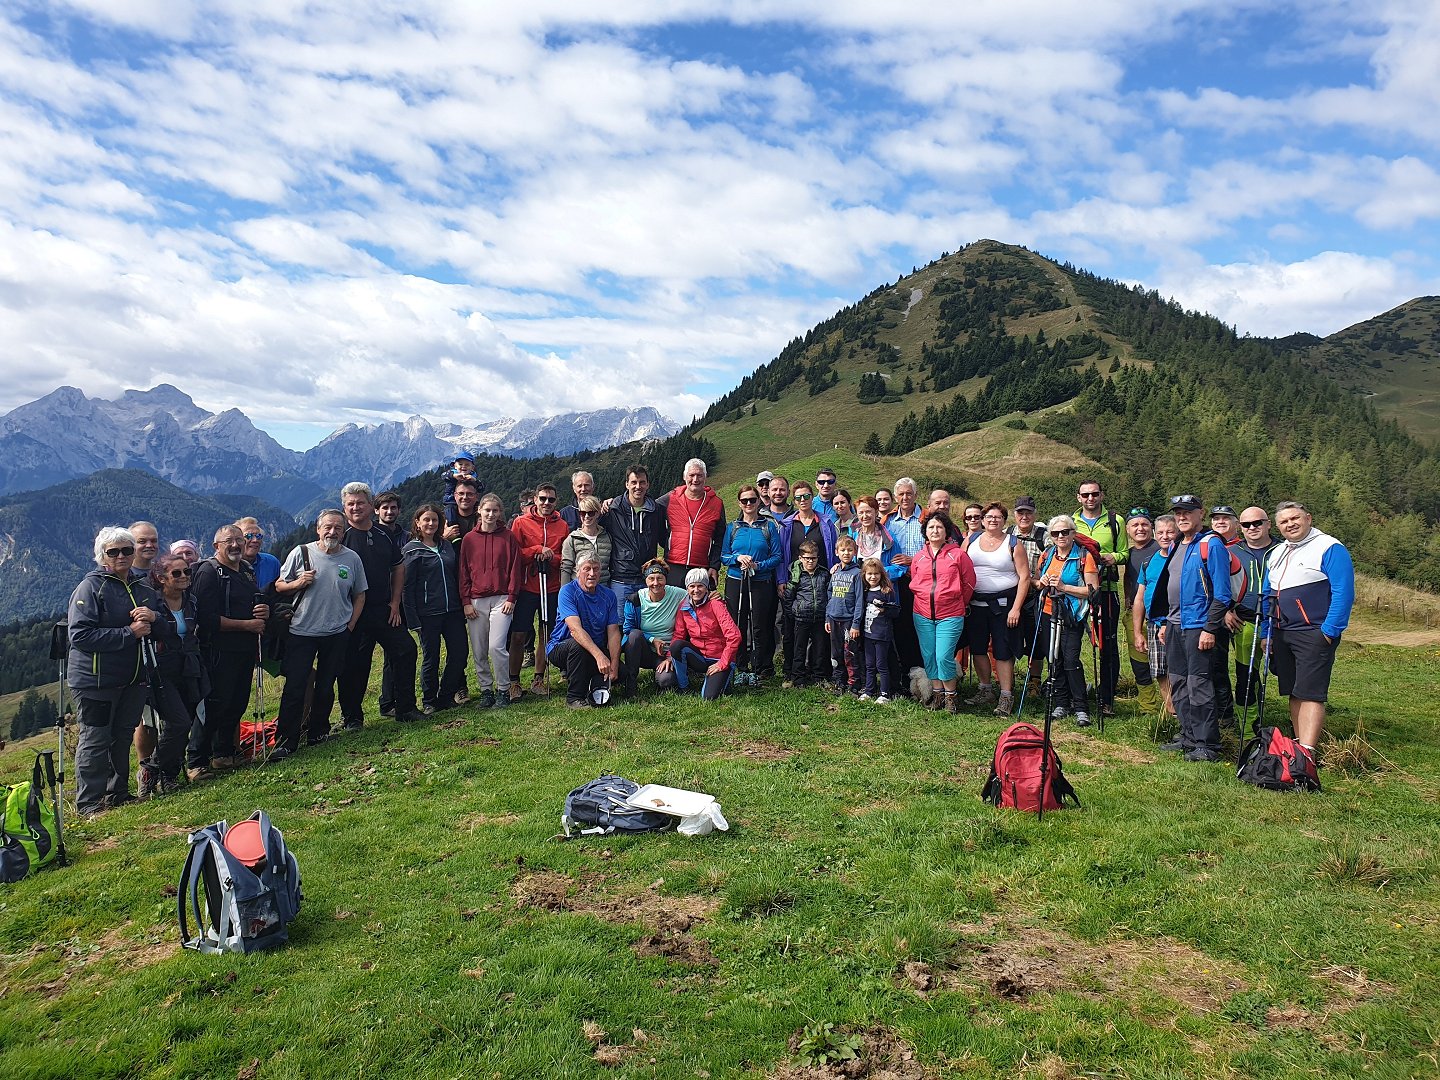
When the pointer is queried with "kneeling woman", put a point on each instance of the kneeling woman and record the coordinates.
(649, 622)
(706, 639)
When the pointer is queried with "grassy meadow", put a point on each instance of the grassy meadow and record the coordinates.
(1179, 925)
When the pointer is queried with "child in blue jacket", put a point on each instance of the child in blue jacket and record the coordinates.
(846, 585)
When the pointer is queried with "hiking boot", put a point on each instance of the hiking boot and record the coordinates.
(1174, 745)
(514, 693)
(147, 779)
(409, 716)
(937, 701)
(1006, 704)
(387, 710)
(502, 700)
(462, 697)
(199, 774)
(219, 764)
(539, 687)
(167, 785)
(352, 723)
(1202, 754)
(1107, 711)
(984, 695)
(486, 700)
(1082, 718)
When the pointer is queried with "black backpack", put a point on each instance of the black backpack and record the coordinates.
(599, 808)
(245, 908)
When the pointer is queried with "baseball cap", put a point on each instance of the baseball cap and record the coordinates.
(1223, 511)
(1025, 502)
(1185, 502)
(764, 477)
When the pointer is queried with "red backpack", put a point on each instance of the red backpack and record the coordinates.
(1274, 760)
(1015, 773)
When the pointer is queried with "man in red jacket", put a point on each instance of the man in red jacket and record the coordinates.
(696, 516)
(539, 531)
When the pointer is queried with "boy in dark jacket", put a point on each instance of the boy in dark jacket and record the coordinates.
(846, 586)
(805, 602)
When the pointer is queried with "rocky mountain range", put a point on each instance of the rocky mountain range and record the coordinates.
(66, 435)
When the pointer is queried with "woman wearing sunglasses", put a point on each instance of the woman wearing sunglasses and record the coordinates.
(1070, 576)
(182, 681)
(109, 615)
(751, 552)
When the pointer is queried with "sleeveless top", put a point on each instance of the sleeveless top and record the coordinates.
(994, 570)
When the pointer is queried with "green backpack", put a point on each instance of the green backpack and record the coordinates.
(29, 832)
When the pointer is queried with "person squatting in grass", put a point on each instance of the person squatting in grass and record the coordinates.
(706, 639)
(649, 622)
(1310, 591)
(585, 643)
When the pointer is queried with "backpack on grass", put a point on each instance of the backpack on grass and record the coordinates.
(29, 833)
(1275, 761)
(1015, 773)
(599, 808)
(251, 887)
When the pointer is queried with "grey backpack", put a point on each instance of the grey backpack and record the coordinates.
(599, 808)
(244, 907)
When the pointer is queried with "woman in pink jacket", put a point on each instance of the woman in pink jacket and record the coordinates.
(942, 577)
(706, 638)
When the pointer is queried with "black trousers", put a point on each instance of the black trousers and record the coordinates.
(231, 677)
(1107, 603)
(437, 690)
(907, 644)
(326, 657)
(1220, 676)
(582, 674)
(399, 648)
(757, 648)
(812, 651)
(847, 656)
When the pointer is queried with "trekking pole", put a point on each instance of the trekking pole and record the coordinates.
(1250, 673)
(257, 717)
(1054, 655)
(60, 652)
(1097, 631)
(1029, 663)
(544, 625)
(747, 581)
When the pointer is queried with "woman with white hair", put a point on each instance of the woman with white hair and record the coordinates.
(109, 616)
(706, 639)
(1070, 577)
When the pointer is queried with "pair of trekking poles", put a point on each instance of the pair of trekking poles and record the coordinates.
(1053, 659)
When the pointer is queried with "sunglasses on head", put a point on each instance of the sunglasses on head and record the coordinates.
(1061, 532)
(1178, 499)
(119, 552)
(1138, 511)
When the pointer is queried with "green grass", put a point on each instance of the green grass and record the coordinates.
(1180, 925)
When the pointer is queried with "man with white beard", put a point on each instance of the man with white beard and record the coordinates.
(330, 580)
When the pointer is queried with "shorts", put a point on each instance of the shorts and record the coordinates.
(987, 628)
(1302, 663)
(1158, 666)
(527, 606)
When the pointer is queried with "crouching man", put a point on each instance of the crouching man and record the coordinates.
(585, 643)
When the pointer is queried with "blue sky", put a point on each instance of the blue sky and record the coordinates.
(322, 213)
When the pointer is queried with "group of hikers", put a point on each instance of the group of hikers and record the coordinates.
(871, 595)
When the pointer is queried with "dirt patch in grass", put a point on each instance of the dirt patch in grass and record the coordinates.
(1353, 986)
(883, 1055)
(1027, 961)
(76, 955)
(879, 806)
(1073, 747)
(156, 831)
(551, 891)
(759, 750)
(675, 945)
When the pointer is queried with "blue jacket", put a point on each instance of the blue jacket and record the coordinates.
(1204, 586)
(846, 585)
(761, 541)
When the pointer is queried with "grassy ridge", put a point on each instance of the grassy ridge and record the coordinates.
(1179, 925)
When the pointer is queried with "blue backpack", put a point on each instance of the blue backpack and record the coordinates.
(245, 907)
(599, 808)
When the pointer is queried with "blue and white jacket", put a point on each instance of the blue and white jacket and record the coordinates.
(1310, 584)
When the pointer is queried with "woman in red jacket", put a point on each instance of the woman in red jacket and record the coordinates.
(706, 638)
(942, 577)
(490, 575)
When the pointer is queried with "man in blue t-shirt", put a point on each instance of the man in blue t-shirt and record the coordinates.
(586, 640)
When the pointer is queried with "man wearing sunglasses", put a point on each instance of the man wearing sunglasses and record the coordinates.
(1192, 594)
(232, 618)
(540, 531)
(1101, 525)
(825, 487)
(1252, 550)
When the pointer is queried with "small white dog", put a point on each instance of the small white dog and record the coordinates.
(920, 689)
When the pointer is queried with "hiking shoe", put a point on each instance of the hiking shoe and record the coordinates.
(409, 716)
(219, 764)
(167, 785)
(514, 693)
(317, 739)
(863, 696)
(486, 700)
(352, 723)
(1107, 711)
(539, 687)
(952, 702)
(580, 703)
(1174, 745)
(147, 779)
(984, 695)
(502, 700)
(883, 699)
(387, 710)
(199, 774)
(1006, 705)
(462, 697)
(428, 710)
(280, 753)
(1058, 713)
(1082, 718)
(1202, 754)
